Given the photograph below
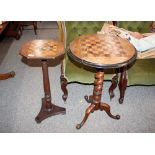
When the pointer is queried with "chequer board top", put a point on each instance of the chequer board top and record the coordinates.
(102, 49)
(42, 49)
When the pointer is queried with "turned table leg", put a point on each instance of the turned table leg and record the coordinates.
(95, 100)
(122, 85)
(48, 108)
(7, 75)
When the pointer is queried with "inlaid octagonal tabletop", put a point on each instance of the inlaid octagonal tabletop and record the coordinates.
(42, 49)
(102, 50)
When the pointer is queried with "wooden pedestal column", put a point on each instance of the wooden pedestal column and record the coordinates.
(95, 100)
(48, 108)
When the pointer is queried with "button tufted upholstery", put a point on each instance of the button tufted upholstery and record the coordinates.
(139, 26)
(74, 29)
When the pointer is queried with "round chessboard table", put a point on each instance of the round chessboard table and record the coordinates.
(101, 51)
(44, 50)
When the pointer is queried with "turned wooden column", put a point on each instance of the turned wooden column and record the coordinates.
(98, 86)
(95, 100)
(46, 83)
(48, 108)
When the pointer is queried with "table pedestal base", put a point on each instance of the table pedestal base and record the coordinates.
(47, 112)
(95, 100)
(48, 109)
(92, 108)
(7, 75)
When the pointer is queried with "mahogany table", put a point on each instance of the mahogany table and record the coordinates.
(44, 50)
(101, 51)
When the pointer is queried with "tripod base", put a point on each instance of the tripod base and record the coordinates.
(45, 113)
(95, 100)
(92, 108)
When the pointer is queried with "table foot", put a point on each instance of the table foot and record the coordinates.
(121, 100)
(106, 108)
(45, 113)
(89, 99)
(7, 75)
(89, 110)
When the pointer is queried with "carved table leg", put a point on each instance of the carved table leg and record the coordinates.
(122, 85)
(113, 86)
(64, 82)
(48, 109)
(106, 108)
(90, 109)
(96, 100)
(7, 75)
(64, 87)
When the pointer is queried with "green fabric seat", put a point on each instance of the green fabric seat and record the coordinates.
(143, 71)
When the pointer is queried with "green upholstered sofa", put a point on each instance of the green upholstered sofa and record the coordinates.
(142, 72)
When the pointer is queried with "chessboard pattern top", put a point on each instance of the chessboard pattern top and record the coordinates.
(102, 49)
(42, 49)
